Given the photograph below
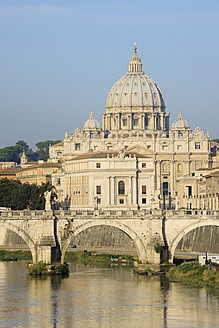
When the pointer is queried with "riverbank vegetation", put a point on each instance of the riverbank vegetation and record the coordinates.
(195, 273)
(6, 255)
(76, 256)
(95, 257)
(43, 269)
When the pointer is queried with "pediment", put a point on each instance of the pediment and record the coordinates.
(198, 133)
(77, 134)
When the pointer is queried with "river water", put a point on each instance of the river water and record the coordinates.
(106, 297)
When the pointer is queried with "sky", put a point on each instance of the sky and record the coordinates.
(59, 60)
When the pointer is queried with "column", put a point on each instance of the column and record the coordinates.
(113, 189)
(217, 208)
(161, 121)
(142, 121)
(158, 174)
(108, 191)
(154, 122)
(213, 202)
(172, 176)
(130, 121)
(130, 192)
(103, 121)
(134, 190)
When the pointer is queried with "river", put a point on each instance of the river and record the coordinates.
(106, 297)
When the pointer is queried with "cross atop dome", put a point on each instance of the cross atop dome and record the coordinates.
(135, 64)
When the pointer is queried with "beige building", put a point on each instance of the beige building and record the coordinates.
(199, 191)
(38, 173)
(135, 122)
(107, 180)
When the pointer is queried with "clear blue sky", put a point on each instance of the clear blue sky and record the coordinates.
(59, 60)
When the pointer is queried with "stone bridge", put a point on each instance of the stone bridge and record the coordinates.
(48, 233)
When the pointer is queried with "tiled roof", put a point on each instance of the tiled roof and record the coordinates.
(104, 154)
(41, 165)
(11, 171)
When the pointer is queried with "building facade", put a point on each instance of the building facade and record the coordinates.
(136, 123)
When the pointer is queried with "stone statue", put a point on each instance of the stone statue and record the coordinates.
(47, 196)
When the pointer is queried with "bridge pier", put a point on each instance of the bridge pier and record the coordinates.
(48, 254)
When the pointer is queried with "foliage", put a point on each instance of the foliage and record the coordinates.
(13, 153)
(158, 248)
(43, 147)
(18, 196)
(216, 140)
(6, 255)
(96, 257)
(43, 269)
(195, 273)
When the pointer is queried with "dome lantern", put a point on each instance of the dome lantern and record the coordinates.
(135, 64)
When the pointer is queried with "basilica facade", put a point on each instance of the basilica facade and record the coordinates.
(135, 157)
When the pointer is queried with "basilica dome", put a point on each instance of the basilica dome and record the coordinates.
(91, 123)
(135, 90)
(180, 122)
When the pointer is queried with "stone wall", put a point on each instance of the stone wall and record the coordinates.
(103, 236)
(203, 239)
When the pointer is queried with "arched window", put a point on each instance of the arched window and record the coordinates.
(121, 188)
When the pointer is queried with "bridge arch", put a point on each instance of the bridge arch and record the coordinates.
(185, 230)
(140, 247)
(20, 232)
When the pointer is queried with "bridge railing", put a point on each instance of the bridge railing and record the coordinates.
(101, 213)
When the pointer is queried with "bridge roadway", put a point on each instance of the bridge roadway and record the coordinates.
(49, 233)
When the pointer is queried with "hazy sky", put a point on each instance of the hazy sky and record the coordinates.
(59, 60)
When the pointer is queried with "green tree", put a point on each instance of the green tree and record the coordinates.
(216, 140)
(44, 148)
(20, 196)
(13, 153)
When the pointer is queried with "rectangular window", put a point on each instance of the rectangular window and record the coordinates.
(77, 146)
(98, 200)
(125, 122)
(98, 165)
(143, 165)
(165, 188)
(164, 147)
(98, 190)
(135, 121)
(143, 190)
(197, 145)
(121, 201)
(143, 200)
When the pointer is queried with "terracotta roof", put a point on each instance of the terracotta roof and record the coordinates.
(11, 171)
(104, 154)
(58, 144)
(41, 165)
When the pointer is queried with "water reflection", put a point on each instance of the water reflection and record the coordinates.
(101, 297)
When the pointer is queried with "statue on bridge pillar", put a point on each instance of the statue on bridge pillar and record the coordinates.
(47, 196)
